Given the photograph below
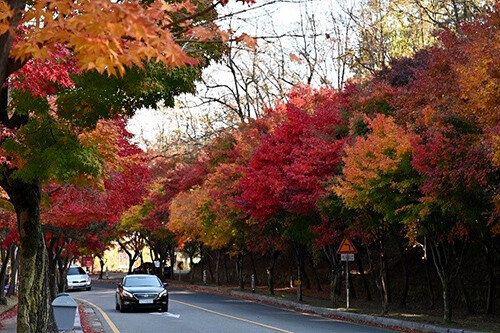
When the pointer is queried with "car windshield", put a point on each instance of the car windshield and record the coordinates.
(142, 281)
(76, 271)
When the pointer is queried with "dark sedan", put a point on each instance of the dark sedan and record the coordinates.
(141, 291)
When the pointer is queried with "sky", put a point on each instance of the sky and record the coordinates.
(147, 123)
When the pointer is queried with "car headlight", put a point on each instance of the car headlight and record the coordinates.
(127, 294)
(163, 294)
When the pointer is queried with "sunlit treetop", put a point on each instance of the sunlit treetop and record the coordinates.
(109, 36)
(369, 159)
(287, 170)
(75, 63)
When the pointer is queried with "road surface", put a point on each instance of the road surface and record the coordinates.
(197, 312)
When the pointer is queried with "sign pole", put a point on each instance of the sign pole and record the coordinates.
(347, 281)
(347, 250)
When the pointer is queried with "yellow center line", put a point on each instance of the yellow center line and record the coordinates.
(105, 316)
(233, 317)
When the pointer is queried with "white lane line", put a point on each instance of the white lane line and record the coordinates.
(233, 317)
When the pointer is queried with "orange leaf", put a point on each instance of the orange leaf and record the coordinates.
(295, 58)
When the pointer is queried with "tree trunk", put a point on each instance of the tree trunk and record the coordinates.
(217, 262)
(316, 277)
(491, 297)
(63, 266)
(131, 258)
(163, 261)
(191, 266)
(225, 269)
(52, 264)
(387, 278)
(4, 256)
(290, 270)
(202, 261)
(131, 263)
(254, 270)
(335, 272)
(305, 277)
(300, 270)
(465, 294)
(384, 287)
(440, 263)
(270, 271)
(368, 294)
(406, 286)
(432, 306)
(240, 272)
(446, 301)
(34, 311)
(101, 268)
(171, 254)
(14, 261)
(299, 286)
(301, 265)
(381, 281)
(210, 271)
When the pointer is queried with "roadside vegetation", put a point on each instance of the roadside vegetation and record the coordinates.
(399, 150)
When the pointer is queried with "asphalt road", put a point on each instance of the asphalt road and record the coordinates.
(196, 312)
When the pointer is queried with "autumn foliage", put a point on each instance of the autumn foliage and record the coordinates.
(406, 162)
(405, 158)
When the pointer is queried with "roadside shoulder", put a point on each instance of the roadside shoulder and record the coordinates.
(89, 321)
(364, 319)
(11, 303)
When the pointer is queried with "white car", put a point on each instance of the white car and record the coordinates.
(78, 279)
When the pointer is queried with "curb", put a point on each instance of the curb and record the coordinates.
(92, 322)
(353, 317)
(391, 323)
(9, 307)
(77, 326)
(8, 318)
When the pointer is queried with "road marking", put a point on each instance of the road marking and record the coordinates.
(233, 317)
(105, 316)
(166, 314)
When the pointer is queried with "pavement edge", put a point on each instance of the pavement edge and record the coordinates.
(353, 317)
(91, 318)
(384, 322)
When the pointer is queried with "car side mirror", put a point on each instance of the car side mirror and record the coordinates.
(119, 285)
(165, 284)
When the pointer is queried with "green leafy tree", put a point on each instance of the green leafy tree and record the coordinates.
(378, 178)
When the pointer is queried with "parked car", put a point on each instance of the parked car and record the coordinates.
(146, 268)
(150, 268)
(78, 279)
(141, 291)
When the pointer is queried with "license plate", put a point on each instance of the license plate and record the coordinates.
(145, 301)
